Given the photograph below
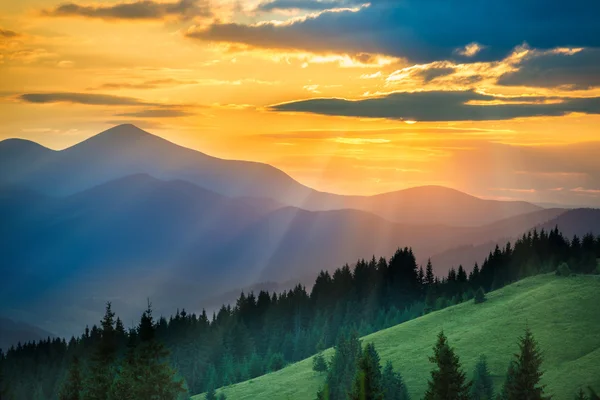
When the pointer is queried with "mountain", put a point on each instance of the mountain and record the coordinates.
(138, 237)
(440, 205)
(126, 150)
(570, 222)
(12, 332)
(180, 244)
(571, 353)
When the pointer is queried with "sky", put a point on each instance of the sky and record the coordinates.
(498, 99)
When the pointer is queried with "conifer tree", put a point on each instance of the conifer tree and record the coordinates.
(367, 381)
(429, 277)
(99, 380)
(482, 387)
(581, 396)
(392, 385)
(343, 368)
(211, 394)
(319, 363)
(156, 378)
(448, 381)
(73, 385)
(479, 296)
(523, 379)
(126, 381)
(508, 382)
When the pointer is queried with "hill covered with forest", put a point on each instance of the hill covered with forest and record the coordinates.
(561, 312)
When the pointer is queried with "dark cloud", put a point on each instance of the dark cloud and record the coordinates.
(140, 10)
(425, 31)
(157, 113)
(5, 33)
(309, 5)
(81, 98)
(431, 73)
(442, 106)
(580, 70)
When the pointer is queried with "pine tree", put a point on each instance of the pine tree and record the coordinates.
(73, 385)
(342, 369)
(102, 370)
(448, 381)
(479, 296)
(421, 276)
(429, 277)
(367, 381)
(319, 363)
(482, 387)
(156, 379)
(581, 396)
(524, 377)
(276, 362)
(211, 394)
(392, 385)
(125, 383)
(508, 382)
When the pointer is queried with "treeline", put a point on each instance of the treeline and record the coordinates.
(355, 373)
(264, 332)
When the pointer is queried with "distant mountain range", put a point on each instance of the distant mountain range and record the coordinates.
(127, 150)
(126, 215)
(13, 332)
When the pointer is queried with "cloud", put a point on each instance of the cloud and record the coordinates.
(470, 50)
(5, 33)
(139, 10)
(81, 98)
(572, 70)
(430, 74)
(157, 113)
(425, 31)
(443, 106)
(309, 5)
(150, 84)
(359, 141)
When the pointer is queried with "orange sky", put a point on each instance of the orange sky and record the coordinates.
(217, 96)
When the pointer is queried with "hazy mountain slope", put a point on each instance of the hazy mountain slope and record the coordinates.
(13, 332)
(576, 222)
(570, 222)
(139, 237)
(565, 329)
(435, 204)
(125, 150)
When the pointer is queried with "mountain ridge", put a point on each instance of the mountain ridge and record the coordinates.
(126, 149)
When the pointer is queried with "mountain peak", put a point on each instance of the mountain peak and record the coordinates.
(119, 137)
(125, 130)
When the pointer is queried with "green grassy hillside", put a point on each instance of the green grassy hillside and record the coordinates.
(563, 313)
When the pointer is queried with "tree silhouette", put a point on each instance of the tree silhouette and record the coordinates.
(523, 378)
(448, 381)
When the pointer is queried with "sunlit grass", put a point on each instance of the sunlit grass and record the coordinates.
(563, 313)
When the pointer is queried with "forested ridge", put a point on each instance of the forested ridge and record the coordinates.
(262, 332)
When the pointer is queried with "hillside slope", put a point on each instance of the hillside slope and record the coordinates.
(561, 312)
(580, 222)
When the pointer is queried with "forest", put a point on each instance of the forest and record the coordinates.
(190, 353)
